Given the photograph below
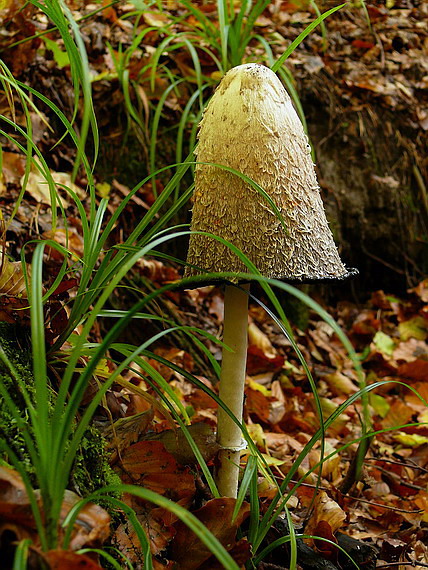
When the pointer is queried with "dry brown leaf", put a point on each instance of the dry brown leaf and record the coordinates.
(259, 339)
(13, 167)
(156, 19)
(399, 413)
(70, 239)
(159, 532)
(15, 310)
(38, 187)
(12, 282)
(257, 402)
(330, 467)
(411, 350)
(326, 549)
(126, 431)
(175, 442)
(327, 510)
(92, 526)
(421, 290)
(190, 553)
(416, 370)
(157, 271)
(147, 463)
(258, 361)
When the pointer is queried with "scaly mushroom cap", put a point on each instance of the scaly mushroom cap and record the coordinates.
(251, 126)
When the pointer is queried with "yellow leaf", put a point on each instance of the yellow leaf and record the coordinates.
(257, 434)
(384, 343)
(271, 461)
(414, 328)
(379, 404)
(261, 340)
(410, 439)
(340, 384)
(256, 386)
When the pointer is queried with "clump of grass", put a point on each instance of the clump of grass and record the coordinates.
(216, 48)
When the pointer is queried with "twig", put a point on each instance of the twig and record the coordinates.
(400, 463)
(418, 511)
(403, 563)
(397, 479)
(393, 508)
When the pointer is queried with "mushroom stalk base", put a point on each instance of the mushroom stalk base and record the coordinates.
(232, 383)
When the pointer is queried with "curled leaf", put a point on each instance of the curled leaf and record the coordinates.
(189, 552)
(12, 282)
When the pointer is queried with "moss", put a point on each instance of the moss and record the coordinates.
(91, 470)
(16, 350)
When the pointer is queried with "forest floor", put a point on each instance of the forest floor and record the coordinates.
(387, 509)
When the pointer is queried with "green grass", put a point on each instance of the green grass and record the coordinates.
(227, 45)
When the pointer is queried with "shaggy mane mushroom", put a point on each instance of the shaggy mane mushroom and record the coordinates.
(250, 125)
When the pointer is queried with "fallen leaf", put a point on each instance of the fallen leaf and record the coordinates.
(421, 290)
(13, 166)
(156, 19)
(326, 510)
(339, 383)
(38, 187)
(147, 463)
(175, 442)
(157, 271)
(257, 402)
(259, 361)
(384, 343)
(92, 526)
(126, 431)
(12, 281)
(416, 370)
(326, 549)
(410, 440)
(361, 44)
(216, 515)
(417, 327)
(421, 501)
(411, 350)
(68, 238)
(157, 530)
(330, 467)
(379, 404)
(60, 56)
(15, 310)
(399, 413)
(258, 338)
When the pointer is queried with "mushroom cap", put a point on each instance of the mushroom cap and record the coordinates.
(250, 125)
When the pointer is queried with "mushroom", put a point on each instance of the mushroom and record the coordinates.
(250, 125)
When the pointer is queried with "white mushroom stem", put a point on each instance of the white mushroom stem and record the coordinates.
(231, 391)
